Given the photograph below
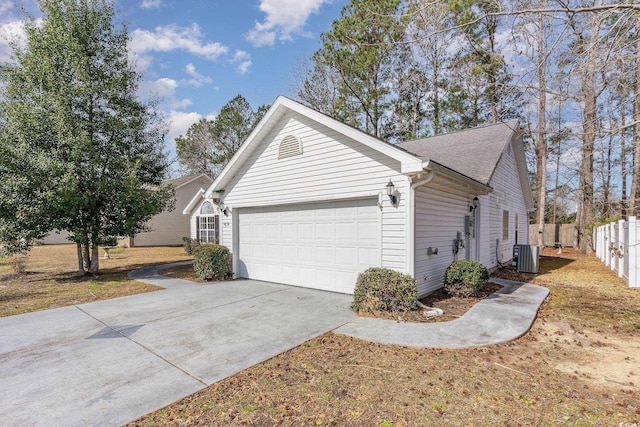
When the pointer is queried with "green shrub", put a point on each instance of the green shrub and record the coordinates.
(190, 244)
(381, 289)
(212, 262)
(464, 278)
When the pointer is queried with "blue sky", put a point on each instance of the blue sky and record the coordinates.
(197, 55)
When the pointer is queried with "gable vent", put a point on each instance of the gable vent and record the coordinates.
(289, 146)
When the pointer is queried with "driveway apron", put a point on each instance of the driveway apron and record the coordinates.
(110, 362)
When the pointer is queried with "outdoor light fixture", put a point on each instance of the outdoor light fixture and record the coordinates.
(391, 189)
(475, 204)
(224, 209)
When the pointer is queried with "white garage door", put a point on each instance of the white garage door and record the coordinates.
(320, 245)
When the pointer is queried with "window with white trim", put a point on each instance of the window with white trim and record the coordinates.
(208, 224)
(505, 225)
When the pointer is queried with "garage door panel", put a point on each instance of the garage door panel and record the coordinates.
(320, 245)
(305, 231)
(345, 256)
(289, 251)
(274, 252)
(367, 231)
(367, 257)
(274, 231)
(324, 231)
(289, 231)
(346, 230)
(306, 253)
(325, 255)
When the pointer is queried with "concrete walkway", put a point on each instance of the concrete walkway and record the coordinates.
(504, 316)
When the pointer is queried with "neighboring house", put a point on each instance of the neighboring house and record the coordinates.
(304, 201)
(168, 227)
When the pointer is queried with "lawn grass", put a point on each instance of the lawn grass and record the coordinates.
(51, 280)
(578, 366)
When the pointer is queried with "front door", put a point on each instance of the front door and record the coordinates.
(471, 235)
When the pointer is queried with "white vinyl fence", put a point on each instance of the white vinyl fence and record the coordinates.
(617, 245)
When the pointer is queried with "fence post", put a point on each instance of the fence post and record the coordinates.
(633, 252)
(614, 244)
(599, 243)
(620, 247)
(607, 242)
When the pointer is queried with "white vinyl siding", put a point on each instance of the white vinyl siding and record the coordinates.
(506, 196)
(332, 167)
(440, 213)
(316, 245)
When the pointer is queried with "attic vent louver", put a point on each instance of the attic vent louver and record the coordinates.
(289, 146)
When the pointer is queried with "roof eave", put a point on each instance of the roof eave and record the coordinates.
(194, 202)
(478, 187)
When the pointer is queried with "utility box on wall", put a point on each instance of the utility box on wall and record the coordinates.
(526, 258)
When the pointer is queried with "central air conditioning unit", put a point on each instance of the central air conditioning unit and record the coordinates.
(526, 258)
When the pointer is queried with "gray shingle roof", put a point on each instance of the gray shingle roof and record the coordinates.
(473, 152)
(177, 182)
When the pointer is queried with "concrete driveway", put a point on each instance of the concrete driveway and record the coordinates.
(109, 362)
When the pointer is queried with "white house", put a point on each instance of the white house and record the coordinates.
(305, 201)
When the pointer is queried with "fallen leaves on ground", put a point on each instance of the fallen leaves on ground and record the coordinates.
(552, 376)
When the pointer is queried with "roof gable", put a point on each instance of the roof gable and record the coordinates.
(282, 105)
(472, 152)
(185, 180)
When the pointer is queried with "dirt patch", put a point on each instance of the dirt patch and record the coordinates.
(577, 366)
(452, 306)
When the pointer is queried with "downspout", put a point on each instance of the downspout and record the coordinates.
(412, 220)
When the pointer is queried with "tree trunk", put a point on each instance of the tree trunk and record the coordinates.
(589, 117)
(81, 271)
(634, 203)
(623, 157)
(86, 257)
(95, 259)
(542, 132)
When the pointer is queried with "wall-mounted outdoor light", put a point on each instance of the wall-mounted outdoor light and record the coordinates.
(224, 209)
(391, 189)
(475, 204)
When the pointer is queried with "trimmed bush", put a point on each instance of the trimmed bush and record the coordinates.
(382, 289)
(464, 278)
(212, 262)
(190, 244)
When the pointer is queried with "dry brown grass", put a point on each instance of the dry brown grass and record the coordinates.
(50, 279)
(578, 366)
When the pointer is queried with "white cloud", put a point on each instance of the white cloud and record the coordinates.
(196, 79)
(242, 60)
(180, 121)
(165, 89)
(172, 37)
(12, 31)
(150, 4)
(283, 18)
